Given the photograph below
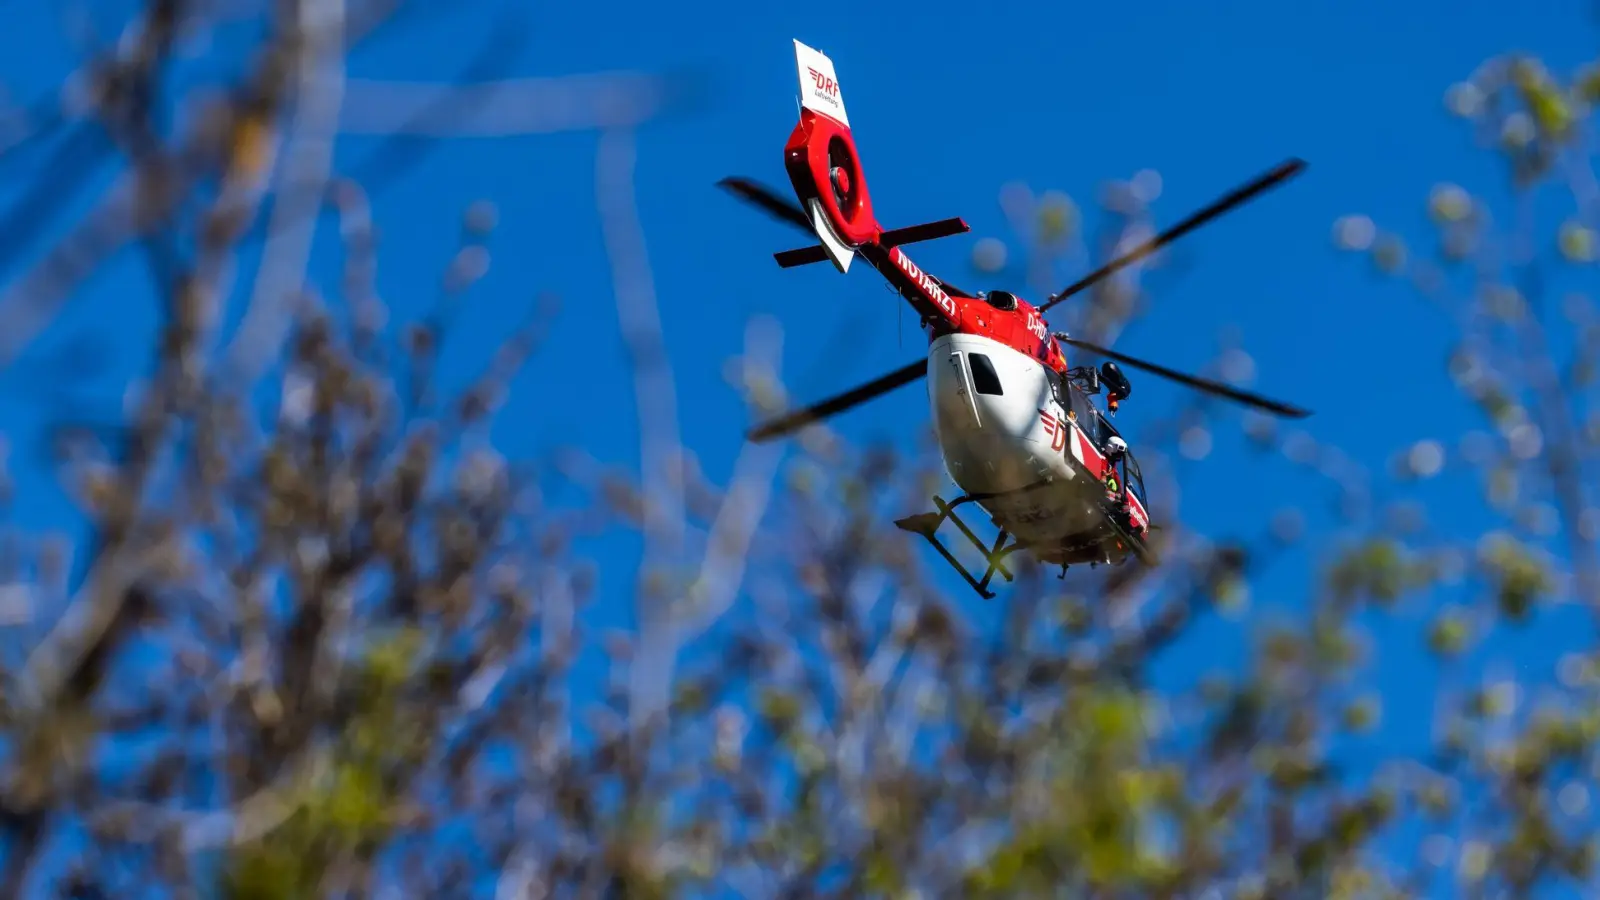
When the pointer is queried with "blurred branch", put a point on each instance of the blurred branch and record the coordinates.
(308, 157)
(606, 101)
(330, 640)
(661, 454)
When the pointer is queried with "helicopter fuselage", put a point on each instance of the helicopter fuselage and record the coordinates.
(1024, 452)
(1025, 443)
(1016, 427)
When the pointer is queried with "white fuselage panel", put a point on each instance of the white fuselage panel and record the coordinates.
(1006, 433)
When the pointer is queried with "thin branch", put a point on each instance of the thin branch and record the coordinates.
(606, 101)
(661, 462)
(309, 162)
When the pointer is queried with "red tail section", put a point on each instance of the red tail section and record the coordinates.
(825, 169)
(823, 164)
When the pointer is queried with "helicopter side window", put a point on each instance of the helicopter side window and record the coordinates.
(1003, 300)
(1103, 428)
(1058, 386)
(1132, 475)
(984, 378)
(1084, 411)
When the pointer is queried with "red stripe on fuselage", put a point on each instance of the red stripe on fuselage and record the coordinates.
(1095, 462)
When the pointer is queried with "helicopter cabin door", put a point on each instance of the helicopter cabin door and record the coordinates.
(1128, 466)
(1087, 418)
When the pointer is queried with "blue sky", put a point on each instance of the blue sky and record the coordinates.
(949, 101)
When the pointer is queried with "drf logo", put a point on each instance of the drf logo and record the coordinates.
(1057, 430)
(825, 85)
(928, 285)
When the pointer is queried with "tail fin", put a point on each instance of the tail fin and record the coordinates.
(823, 165)
(819, 86)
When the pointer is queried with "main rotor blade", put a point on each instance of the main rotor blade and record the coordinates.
(794, 421)
(767, 200)
(1202, 384)
(1278, 174)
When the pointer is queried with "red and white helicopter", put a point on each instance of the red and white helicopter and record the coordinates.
(1016, 427)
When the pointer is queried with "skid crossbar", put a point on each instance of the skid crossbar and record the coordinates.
(927, 524)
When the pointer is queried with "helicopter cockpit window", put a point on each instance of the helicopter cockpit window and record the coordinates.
(1103, 427)
(1134, 477)
(1084, 411)
(984, 378)
(1130, 465)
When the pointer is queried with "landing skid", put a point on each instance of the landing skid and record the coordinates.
(927, 524)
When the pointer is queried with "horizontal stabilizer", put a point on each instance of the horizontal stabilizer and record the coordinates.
(927, 231)
(803, 256)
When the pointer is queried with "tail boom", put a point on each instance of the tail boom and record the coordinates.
(924, 292)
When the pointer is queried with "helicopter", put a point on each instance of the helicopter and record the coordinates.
(1016, 426)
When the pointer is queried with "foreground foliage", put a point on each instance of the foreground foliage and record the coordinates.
(323, 639)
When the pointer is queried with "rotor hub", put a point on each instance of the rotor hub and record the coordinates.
(841, 180)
